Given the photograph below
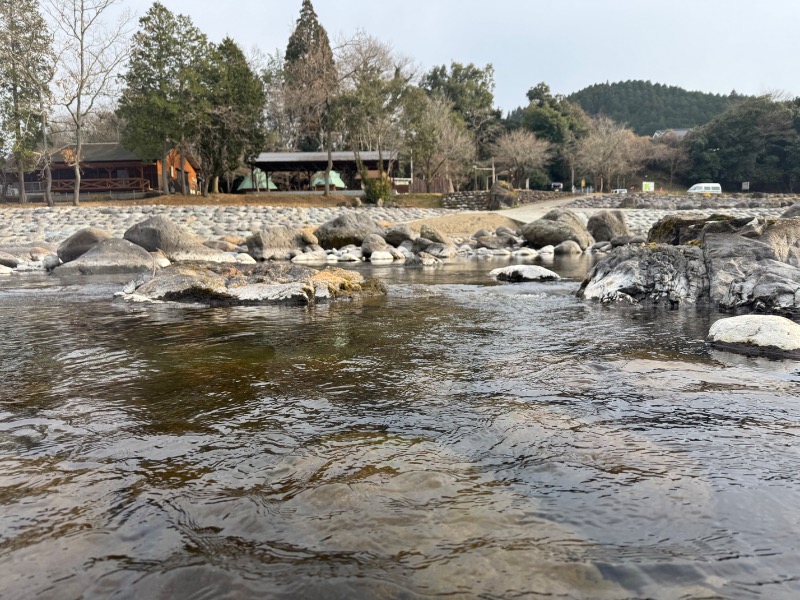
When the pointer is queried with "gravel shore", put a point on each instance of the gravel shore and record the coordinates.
(25, 225)
(53, 225)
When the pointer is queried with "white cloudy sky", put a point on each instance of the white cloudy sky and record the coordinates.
(707, 45)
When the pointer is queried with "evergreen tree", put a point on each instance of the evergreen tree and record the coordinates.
(470, 89)
(162, 102)
(26, 69)
(233, 131)
(311, 78)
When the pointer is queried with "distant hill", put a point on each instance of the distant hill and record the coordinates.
(647, 107)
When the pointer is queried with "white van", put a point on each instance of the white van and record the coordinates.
(705, 188)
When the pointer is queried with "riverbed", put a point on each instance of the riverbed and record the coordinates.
(457, 438)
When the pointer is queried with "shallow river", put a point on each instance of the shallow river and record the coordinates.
(457, 438)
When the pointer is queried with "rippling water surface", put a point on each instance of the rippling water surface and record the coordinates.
(456, 439)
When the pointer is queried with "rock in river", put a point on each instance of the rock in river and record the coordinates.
(757, 334)
(263, 283)
(517, 273)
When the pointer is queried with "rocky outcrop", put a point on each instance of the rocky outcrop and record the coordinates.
(557, 226)
(80, 242)
(177, 243)
(757, 335)
(605, 225)
(263, 283)
(109, 256)
(277, 243)
(348, 228)
(752, 267)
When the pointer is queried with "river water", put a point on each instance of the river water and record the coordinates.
(458, 439)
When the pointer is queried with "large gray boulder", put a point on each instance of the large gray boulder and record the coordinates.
(397, 234)
(435, 235)
(348, 228)
(8, 260)
(555, 227)
(371, 244)
(757, 335)
(80, 242)
(753, 268)
(792, 211)
(276, 243)
(109, 256)
(176, 242)
(605, 225)
(660, 274)
(502, 196)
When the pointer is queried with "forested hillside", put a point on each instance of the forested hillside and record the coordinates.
(647, 107)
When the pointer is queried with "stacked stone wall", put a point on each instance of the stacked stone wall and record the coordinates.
(472, 200)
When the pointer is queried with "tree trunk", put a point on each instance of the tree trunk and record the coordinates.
(184, 191)
(76, 193)
(328, 168)
(47, 174)
(215, 185)
(164, 173)
(23, 197)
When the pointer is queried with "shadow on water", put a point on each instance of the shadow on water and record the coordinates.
(457, 438)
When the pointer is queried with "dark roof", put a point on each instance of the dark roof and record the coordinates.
(317, 161)
(101, 152)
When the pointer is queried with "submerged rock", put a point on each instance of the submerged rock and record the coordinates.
(262, 283)
(757, 335)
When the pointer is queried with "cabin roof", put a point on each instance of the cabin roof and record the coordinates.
(318, 161)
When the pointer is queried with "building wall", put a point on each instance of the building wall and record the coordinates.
(174, 170)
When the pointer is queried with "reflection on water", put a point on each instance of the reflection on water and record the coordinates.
(457, 438)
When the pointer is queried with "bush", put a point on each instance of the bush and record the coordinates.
(378, 188)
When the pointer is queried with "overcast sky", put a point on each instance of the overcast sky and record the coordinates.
(716, 46)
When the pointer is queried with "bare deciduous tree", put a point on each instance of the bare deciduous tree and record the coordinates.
(437, 137)
(522, 153)
(91, 52)
(604, 152)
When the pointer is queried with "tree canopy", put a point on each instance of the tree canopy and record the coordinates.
(646, 107)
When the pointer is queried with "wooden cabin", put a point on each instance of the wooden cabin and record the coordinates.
(112, 168)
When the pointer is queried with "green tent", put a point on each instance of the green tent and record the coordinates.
(318, 181)
(246, 184)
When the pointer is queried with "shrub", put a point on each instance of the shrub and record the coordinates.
(378, 188)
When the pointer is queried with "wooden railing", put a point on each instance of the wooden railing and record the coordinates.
(102, 185)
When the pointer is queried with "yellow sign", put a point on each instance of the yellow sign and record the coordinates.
(583, 183)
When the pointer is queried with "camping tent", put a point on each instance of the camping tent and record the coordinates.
(318, 181)
(246, 184)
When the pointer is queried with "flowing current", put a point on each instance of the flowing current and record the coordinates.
(457, 438)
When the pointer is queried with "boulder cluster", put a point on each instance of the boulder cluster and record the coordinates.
(751, 265)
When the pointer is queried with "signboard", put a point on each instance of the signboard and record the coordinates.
(745, 186)
(648, 186)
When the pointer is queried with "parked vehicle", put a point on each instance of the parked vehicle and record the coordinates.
(705, 188)
(619, 191)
